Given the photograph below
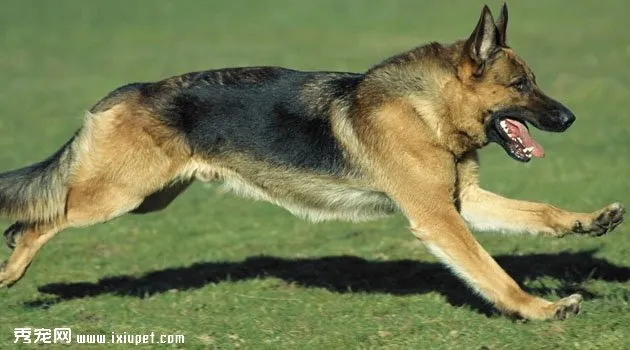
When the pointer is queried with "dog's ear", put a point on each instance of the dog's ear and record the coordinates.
(502, 22)
(483, 41)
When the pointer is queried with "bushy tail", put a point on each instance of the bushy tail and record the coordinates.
(37, 193)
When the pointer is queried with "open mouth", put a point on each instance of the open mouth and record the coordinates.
(517, 141)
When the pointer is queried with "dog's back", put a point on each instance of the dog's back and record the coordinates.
(267, 114)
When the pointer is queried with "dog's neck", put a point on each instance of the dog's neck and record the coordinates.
(433, 88)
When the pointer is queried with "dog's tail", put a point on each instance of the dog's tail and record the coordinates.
(38, 193)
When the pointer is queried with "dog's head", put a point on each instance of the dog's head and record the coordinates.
(505, 90)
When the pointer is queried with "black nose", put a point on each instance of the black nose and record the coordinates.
(566, 118)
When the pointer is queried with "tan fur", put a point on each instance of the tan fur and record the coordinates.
(123, 156)
(120, 157)
(29, 242)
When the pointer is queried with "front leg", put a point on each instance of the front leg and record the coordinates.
(446, 236)
(485, 210)
(424, 188)
(421, 177)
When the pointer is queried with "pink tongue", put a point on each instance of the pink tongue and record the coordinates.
(519, 130)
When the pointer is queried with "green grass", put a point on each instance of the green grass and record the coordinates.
(227, 272)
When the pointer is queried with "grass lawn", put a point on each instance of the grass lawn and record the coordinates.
(227, 272)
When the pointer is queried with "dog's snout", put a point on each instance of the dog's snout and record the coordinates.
(566, 118)
(562, 118)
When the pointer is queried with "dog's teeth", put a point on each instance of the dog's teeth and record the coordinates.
(504, 126)
(519, 140)
(528, 151)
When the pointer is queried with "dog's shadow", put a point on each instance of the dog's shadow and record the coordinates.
(349, 274)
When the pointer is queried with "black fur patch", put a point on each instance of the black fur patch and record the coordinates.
(271, 114)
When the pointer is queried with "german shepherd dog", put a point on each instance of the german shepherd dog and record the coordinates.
(402, 137)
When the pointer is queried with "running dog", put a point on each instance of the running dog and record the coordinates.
(401, 137)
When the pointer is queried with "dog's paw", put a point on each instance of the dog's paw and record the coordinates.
(567, 307)
(7, 276)
(12, 233)
(602, 221)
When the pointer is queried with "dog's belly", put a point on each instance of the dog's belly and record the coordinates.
(315, 199)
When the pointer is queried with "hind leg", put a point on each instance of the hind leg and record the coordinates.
(121, 156)
(86, 206)
(152, 203)
(88, 203)
(27, 240)
(83, 210)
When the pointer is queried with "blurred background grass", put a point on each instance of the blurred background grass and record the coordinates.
(380, 289)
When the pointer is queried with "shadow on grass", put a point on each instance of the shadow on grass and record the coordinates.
(349, 274)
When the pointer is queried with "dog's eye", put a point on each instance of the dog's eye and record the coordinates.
(521, 84)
